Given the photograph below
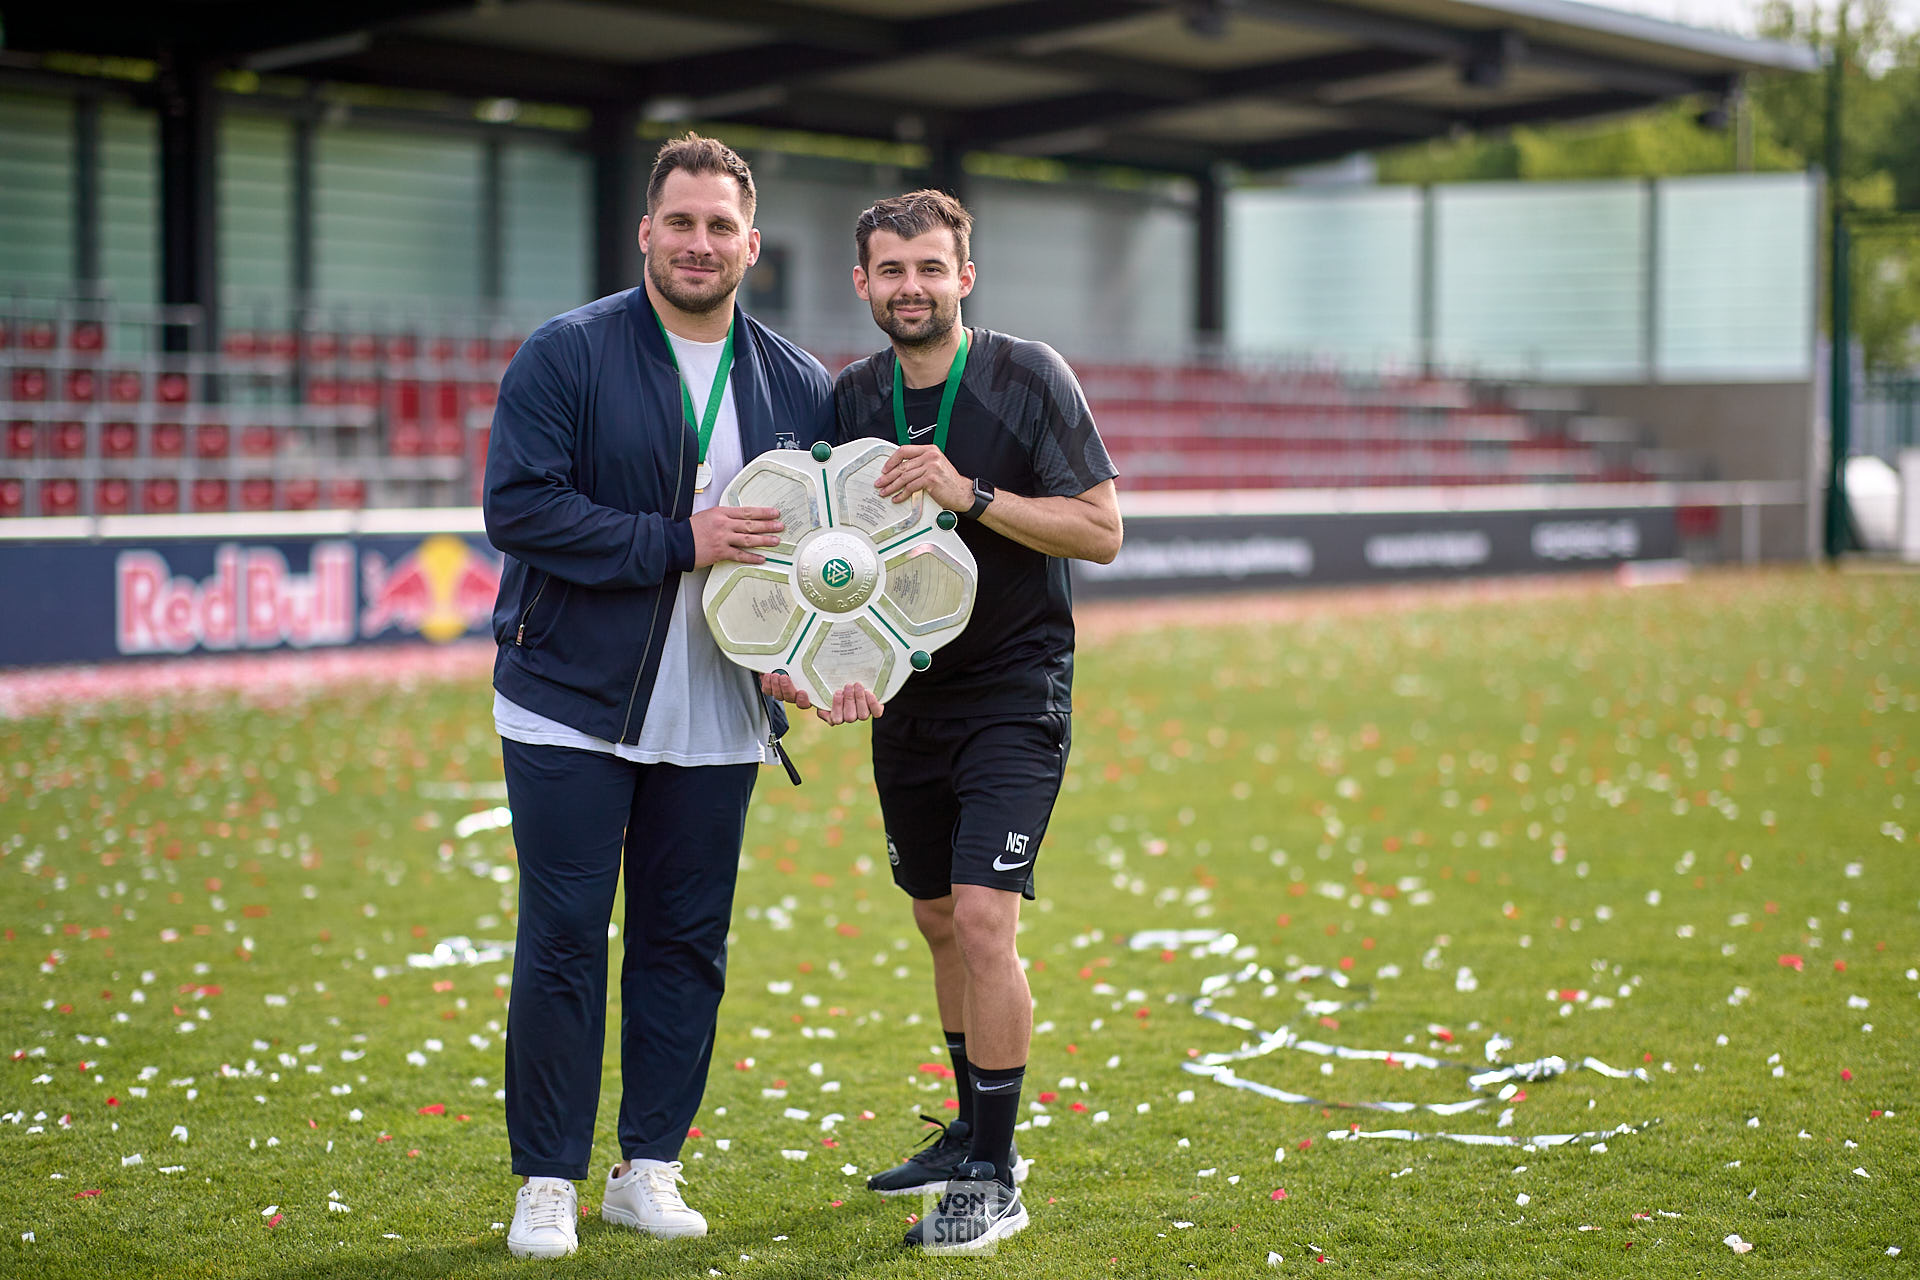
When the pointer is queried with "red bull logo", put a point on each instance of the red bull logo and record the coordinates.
(252, 600)
(440, 590)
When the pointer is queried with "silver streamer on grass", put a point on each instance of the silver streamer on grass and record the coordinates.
(1218, 1066)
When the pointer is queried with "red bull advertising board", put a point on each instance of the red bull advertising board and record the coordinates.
(93, 599)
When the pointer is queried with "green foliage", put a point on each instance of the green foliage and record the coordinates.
(1672, 829)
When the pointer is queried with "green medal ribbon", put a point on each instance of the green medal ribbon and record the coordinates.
(958, 367)
(712, 415)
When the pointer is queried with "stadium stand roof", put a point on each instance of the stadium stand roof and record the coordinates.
(1170, 85)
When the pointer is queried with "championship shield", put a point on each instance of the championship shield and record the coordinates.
(861, 589)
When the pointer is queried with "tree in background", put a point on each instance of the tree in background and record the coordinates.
(1780, 125)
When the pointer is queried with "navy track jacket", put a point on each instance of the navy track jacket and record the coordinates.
(589, 490)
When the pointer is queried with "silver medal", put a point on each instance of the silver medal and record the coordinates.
(702, 477)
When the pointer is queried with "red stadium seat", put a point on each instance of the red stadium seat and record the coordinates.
(172, 388)
(256, 494)
(322, 346)
(113, 497)
(210, 495)
(59, 497)
(160, 497)
(13, 498)
(301, 495)
(440, 349)
(257, 441)
(403, 346)
(22, 438)
(81, 386)
(167, 440)
(124, 386)
(403, 402)
(407, 440)
(87, 336)
(348, 493)
(449, 440)
(360, 391)
(67, 440)
(240, 344)
(29, 385)
(363, 347)
(211, 440)
(506, 348)
(281, 346)
(38, 336)
(323, 391)
(119, 440)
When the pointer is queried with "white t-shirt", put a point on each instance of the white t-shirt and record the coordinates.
(705, 709)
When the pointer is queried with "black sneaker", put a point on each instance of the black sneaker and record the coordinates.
(976, 1212)
(926, 1171)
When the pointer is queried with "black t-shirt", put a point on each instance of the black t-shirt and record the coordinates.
(1021, 421)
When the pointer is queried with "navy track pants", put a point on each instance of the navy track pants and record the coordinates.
(578, 818)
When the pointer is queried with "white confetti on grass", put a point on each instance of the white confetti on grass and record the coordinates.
(1735, 1243)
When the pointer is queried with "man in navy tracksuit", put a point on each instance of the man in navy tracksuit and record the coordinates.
(628, 739)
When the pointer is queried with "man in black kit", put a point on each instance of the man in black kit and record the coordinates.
(969, 756)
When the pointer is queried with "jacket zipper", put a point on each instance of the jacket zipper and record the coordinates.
(520, 634)
(653, 623)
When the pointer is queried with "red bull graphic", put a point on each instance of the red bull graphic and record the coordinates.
(252, 600)
(441, 590)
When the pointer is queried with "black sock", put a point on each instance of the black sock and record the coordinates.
(962, 1075)
(996, 1106)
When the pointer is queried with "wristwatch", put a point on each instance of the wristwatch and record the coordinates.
(983, 494)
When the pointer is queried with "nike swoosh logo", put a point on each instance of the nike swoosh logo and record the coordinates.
(919, 431)
(981, 1087)
(1008, 866)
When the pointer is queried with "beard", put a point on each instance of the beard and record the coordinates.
(696, 300)
(943, 314)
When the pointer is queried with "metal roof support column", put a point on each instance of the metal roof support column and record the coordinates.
(189, 199)
(86, 194)
(1209, 259)
(944, 170)
(619, 198)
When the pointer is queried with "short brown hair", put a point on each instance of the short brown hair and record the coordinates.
(913, 215)
(696, 154)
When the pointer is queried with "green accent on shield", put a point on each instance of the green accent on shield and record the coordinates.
(801, 638)
(902, 542)
(822, 451)
(920, 659)
(875, 615)
(946, 519)
(777, 560)
(836, 573)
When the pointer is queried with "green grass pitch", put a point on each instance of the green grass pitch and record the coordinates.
(1672, 829)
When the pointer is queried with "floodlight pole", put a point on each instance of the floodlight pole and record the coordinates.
(1840, 279)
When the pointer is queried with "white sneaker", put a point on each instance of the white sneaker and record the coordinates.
(545, 1220)
(648, 1200)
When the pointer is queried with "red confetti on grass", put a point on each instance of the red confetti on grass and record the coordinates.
(1078, 1106)
(936, 1069)
(1793, 962)
(276, 1219)
(87, 1194)
(695, 1132)
(1845, 1074)
(1048, 1095)
(434, 1109)
(1278, 1193)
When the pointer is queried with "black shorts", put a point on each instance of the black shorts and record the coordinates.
(967, 801)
